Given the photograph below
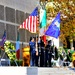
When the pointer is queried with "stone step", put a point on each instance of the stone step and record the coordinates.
(49, 71)
(58, 74)
(45, 73)
(53, 69)
(35, 71)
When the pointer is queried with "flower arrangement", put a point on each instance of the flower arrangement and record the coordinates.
(10, 50)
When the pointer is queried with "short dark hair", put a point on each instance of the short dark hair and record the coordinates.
(49, 41)
(31, 38)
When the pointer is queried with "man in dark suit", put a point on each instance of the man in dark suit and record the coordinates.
(42, 47)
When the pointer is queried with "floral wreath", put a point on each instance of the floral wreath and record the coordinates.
(10, 50)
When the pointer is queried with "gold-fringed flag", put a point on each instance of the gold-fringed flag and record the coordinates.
(31, 22)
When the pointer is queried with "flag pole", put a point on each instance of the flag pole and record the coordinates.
(36, 46)
(53, 46)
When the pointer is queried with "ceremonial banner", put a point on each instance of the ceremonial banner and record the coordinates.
(54, 29)
(43, 20)
(31, 22)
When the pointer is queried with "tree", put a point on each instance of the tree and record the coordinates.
(67, 9)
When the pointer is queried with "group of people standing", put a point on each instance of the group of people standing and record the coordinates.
(41, 53)
(45, 54)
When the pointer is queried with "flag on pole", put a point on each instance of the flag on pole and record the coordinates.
(31, 22)
(3, 39)
(18, 46)
(54, 29)
(43, 22)
(41, 31)
(42, 18)
(44, 39)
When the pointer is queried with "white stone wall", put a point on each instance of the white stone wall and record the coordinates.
(23, 5)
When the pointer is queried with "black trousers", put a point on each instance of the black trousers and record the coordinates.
(42, 58)
(46, 58)
(36, 61)
(49, 59)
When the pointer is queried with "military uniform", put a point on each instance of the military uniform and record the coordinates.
(42, 47)
(32, 53)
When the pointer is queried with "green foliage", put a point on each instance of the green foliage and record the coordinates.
(10, 50)
(19, 62)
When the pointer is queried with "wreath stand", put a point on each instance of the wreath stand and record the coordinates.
(4, 60)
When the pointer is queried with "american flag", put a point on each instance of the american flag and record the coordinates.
(31, 22)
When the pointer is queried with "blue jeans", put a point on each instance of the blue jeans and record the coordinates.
(32, 58)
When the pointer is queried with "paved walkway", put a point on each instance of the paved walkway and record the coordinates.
(15, 70)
